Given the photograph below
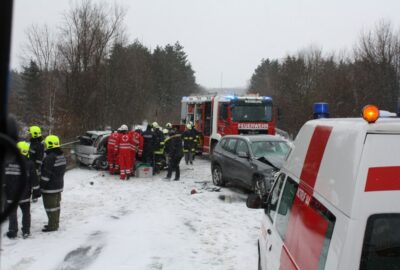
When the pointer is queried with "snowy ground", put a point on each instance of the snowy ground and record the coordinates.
(140, 224)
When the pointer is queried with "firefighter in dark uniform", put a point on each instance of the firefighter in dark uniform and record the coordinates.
(158, 147)
(197, 140)
(189, 144)
(148, 146)
(173, 148)
(52, 181)
(166, 133)
(36, 149)
(12, 176)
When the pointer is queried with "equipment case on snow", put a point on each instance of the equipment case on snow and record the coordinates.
(144, 170)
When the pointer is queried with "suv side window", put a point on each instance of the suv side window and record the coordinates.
(285, 206)
(242, 147)
(381, 248)
(230, 145)
(222, 143)
(273, 198)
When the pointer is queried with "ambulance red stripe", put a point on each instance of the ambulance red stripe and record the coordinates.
(314, 154)
(306, 228)
(383, 179)
(305, 235)
(286, 261)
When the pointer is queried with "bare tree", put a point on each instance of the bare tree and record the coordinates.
(41, 48)
(88, 32)
(378, 45)
(87, 35)
(378, 54)
(97, 77)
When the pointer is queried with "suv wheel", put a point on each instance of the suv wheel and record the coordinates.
(217, 176)
(259, 186)
(101, 163)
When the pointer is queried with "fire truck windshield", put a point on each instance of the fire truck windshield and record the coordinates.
(251, 112)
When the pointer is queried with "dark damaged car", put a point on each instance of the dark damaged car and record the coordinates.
(248, 161)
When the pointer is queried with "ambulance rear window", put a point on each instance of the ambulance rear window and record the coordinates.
(381, 248)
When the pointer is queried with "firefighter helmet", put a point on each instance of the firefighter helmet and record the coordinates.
(123, 128)
(35, 131)
(189, 126)
(168, 125)
(155, 125)
(52, 141)
(23, 148)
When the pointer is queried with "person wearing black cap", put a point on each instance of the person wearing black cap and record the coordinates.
(148, 146)
(174, 151)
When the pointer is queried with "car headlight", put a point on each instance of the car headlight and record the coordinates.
(269, 176)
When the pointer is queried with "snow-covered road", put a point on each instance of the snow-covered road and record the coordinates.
(140, 224)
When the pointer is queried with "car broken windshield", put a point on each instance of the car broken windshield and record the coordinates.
(277, 149)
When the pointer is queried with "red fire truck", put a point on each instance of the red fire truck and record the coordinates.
(215, 116)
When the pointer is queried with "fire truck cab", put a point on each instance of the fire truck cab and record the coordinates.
(336, 202)
(215, 116)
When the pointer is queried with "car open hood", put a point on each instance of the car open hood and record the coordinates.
(275, 162)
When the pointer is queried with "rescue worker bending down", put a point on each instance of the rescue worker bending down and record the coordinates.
(112, 158)
(52, 181)
(36, 149)
(13, 182)
(173, 149)
(189, 143)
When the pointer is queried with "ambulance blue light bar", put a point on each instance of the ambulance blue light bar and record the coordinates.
(321, 110)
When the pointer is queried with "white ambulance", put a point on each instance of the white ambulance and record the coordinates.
(336, 202)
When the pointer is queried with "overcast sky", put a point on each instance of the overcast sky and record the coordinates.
(226, 39)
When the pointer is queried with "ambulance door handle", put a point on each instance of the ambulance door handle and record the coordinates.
(269, 231)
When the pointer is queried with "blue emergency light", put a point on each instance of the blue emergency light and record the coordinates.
(230, 97)
(321, 110)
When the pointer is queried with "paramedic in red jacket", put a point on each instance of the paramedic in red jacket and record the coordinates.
(111, 153)
(137, 149)
(124, 147)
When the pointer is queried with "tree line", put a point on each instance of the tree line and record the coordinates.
(370, 74)
(85, 75)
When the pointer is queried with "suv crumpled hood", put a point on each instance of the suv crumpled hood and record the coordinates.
(277, 162)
